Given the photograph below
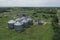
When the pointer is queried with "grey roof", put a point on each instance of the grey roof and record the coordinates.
(24, 21)
(20, 19)
(41, 21)
(29, 19)
(18, 23)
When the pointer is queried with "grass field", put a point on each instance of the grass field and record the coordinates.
(35, 32)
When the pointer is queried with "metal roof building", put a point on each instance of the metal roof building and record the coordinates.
(20, 19)
(41, 22)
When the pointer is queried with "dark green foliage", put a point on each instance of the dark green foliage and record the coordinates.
(56, 28)
(36, 16)
(52, 11)
(45, 16)
(55, 19)
(0, 16)
(39, 11)
(34, 13)
(4, 10)
(51, 16)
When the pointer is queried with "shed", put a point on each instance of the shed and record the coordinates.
(41, 22)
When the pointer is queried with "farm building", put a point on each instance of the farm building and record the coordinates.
(41, 22)
(20, 23)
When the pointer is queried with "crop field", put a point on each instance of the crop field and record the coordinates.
(35, 32)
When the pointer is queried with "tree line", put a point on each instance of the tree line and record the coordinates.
(56, 28)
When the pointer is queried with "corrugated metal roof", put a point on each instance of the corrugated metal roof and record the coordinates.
(29, 19)
(23, 17)
(20, 19)
(17, 19)
(24, 21)
(18, 23)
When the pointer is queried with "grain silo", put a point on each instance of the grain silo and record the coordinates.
(11, 24)
(25, 23)
(18, 26)
(30, 21)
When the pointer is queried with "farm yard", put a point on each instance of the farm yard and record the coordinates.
(35, 32)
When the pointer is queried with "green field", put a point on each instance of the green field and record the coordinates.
(35, 32)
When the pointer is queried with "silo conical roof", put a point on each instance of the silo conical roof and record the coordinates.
(11, 21)
(29, 19)
(18, 23)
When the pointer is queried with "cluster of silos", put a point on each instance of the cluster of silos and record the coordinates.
(20, 24)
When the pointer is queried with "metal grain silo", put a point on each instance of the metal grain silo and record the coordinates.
(11, 24)
(30, 21)
(18, 26)
(25, 23)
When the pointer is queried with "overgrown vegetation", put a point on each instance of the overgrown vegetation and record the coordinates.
(56, 28)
